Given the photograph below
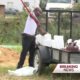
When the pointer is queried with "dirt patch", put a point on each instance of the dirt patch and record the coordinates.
(9, 57)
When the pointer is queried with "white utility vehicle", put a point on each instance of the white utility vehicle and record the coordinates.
(59, 4)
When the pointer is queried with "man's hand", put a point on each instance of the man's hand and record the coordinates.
(42, 31)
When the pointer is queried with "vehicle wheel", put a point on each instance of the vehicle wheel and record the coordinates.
(38, 64)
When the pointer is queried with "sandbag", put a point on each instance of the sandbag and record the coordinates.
(58, 42)
(25, 71)
(44, 40)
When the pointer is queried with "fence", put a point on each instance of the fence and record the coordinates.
(72, 15)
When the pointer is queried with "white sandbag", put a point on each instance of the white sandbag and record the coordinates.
(58, 42)
(77, 43)
(47, 36)
(52, 43)
(39, 39)
(69, 41)
(25, 71)
(47, 41)
(44, 40)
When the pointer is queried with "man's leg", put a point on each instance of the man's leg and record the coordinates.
(26, 42)
(31, 53)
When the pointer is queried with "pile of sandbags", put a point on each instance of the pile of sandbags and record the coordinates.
(46, 40)
(73, 45)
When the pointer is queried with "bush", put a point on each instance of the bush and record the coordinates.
(43, 4)
(76, 6)
(11, 29)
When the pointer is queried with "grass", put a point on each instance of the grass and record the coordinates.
(46, 74)
(5, 76)
(16, 48)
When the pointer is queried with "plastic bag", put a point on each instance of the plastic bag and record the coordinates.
(25, 71)
(44, 40)
(58, 42)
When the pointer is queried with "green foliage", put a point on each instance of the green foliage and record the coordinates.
(76, 31)
(11, 29)
(52, 28)
(43, 4)
(76, 6)
(65, 26)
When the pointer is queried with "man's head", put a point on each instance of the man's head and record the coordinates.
(37, 11)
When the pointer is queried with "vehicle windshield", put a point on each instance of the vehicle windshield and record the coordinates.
(59, 1)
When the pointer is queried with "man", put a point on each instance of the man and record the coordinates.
(28, 37)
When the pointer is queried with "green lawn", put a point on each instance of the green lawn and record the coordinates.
(46, 75)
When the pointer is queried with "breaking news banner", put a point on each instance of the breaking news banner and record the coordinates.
(67, 68)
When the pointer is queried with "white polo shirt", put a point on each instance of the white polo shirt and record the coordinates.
(30, 26)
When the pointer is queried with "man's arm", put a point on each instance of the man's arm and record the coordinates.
(41, 30)
(35, 19)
